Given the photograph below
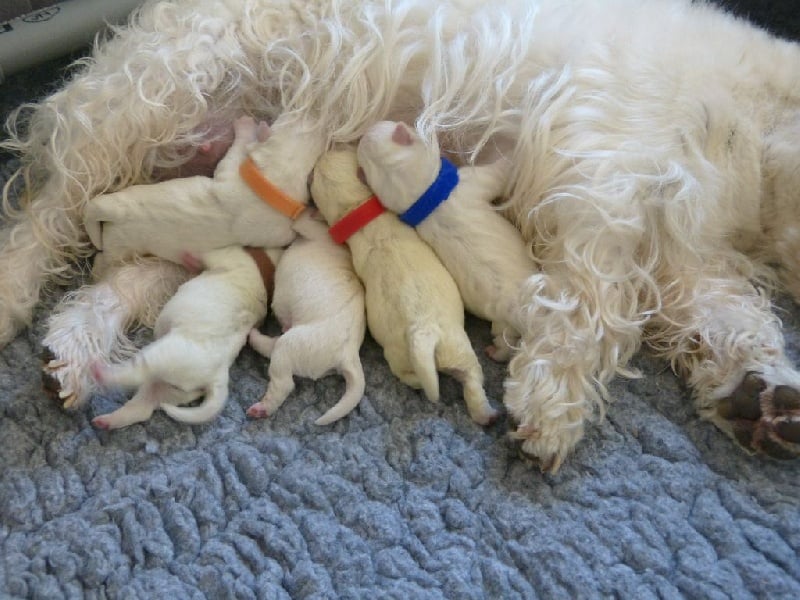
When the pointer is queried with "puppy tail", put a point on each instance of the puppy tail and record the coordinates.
(209, 408)
(353, 374)
(423, 360)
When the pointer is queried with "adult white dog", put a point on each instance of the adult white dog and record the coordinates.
(655, 169)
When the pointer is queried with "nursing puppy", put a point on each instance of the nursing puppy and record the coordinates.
(166, 219)
(413, 307)
(482, 250)
(199, 334)
(170, 218)
(319, 302)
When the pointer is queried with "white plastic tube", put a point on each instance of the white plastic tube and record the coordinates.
(57, 30)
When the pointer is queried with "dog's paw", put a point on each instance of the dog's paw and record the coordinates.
(498, 353)
(67, 383)
(485, 416)
(544, 449)
(257, 411)
(763, 418)
(102, 422)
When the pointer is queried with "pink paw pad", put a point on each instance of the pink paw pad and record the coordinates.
(257, 411)
(101, 423)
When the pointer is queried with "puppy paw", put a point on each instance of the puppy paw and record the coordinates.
(102, 422)
(257, 411)
(546, 454)
(763, 418)
(485, 416)
(498, 354)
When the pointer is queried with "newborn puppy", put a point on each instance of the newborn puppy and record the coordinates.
(172, 217)
(413, 307)
(199, 332)
(319, 302)
(452, 211)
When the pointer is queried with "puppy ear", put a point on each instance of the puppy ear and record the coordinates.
(263, 131)
(401, 135)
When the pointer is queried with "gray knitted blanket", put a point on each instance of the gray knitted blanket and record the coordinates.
(401, 499)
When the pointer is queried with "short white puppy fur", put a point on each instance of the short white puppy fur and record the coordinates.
(166, 219)
(654, 171)
(414, 310)
(169, 218)
(200, 332)
(319, 302)
(481, 249)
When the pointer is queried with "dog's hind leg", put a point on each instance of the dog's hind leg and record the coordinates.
(89, 325)
(139, 408)
(720, 333)
(41, 240)
(263, 344)
(455, 357)
(282, 355)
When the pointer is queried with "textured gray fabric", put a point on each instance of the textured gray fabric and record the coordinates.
(402, 499)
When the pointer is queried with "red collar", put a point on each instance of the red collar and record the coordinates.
(356, 219)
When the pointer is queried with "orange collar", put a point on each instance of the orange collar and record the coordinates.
(268, 191)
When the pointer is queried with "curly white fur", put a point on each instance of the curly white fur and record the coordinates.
(653, 150)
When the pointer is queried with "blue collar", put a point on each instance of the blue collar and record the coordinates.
(438, 192)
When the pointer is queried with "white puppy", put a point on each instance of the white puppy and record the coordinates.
(319, 302)
(172, 217)
(452, 211)
(199, 333)
(239, 206)
(414, 310)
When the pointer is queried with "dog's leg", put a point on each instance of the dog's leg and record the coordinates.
(286, 349)
(503, 337)
(137, 409)
(583, 317)
(454, 356)
(263, 344)
(31, 248)
(89, 325)
(400, 366)
(721, 335)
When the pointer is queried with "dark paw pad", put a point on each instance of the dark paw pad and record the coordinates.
(764, 418)
(50, 384)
